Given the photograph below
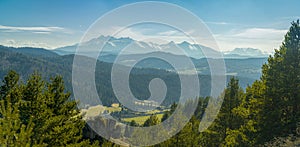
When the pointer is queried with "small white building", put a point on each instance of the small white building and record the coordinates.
(147, 103)
(115, 105)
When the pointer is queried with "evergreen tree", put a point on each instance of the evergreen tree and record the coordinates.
(129, 131)
(13, 132)
(151, 121)
(167, 114)
(226, 120)
(250, 114)
(202, 105)
(38, 113)
(282, 80)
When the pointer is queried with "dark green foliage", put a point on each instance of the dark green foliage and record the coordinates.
(129, 131)
(202, 104)
(151, 121)
(13, 131)
(281, 77)
(38, 113)
(227, 120)
(167, 114)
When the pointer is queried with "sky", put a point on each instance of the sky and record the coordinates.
(50, 24)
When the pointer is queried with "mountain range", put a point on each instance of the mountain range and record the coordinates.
(113, 46)
(249, 67)
(245, 53)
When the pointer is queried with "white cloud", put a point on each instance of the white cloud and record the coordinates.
(266, 39)
(261, 33)
(218, 23)
(33, 29)
(39, 32)
(22, 43)
(168, 33)
(10, 42)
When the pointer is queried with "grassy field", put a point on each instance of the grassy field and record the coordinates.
(97, 110)
(141, 119)
(154, 111)
(113, 109)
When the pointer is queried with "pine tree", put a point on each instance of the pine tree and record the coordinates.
(151, 121)
(129, 131)
(232, 99)
(202, 104)
(13, 132)
(282, 80)
(38, 113)
(226, 120)
(167, 114)
(250, 114)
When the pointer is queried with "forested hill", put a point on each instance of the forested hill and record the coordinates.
(27, 60)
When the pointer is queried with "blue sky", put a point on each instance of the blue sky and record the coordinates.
(234, 23)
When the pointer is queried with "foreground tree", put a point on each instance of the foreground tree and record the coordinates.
(13, 132)
(282, 80)
(250, 114)
(38, 113)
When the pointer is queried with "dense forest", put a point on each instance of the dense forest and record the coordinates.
(38, 112)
